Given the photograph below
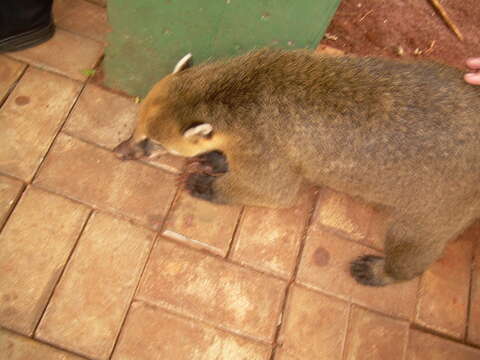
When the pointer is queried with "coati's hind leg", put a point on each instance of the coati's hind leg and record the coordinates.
(409, 250)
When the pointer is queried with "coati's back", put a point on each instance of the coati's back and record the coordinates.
(361, 125)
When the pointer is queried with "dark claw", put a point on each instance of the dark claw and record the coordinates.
(362, 270)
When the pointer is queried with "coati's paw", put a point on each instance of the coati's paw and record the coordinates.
(368, 270)
(200, 173)
(215, 160)
(200, 185)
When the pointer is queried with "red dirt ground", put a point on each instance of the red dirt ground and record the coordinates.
(379, 27)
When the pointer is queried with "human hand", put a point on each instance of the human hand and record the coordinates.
(473, 77)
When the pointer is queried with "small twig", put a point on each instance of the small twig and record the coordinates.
(446, 18)
(364, 16)
(331, 37)
(426, 51)
(430, 48)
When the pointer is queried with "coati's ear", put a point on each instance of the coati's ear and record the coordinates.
(202, 130)
(182, 64)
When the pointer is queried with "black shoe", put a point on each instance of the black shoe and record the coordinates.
(25, 23)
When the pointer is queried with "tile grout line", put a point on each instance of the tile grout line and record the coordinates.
(102, 42)
(60, 275)
(54, 69)
(236, 229)
(202, 321)
(473, 276)
(217, 256)
(13, 177)
(156, 239)
(59, 130)
(375, 311)
(46, 69)
(62, 125)
(407, 343)
(115, 214)
(291, 281)
(347, 331)
(46, 343)
(418, 295)
(25, 186)
(441, 335)
(127, 218)
(13, 206)
(14, 85)
(344, 236)
(132, 298)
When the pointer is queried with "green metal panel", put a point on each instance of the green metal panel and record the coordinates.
(149, 36)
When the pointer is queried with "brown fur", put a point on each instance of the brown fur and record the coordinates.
(401, 135)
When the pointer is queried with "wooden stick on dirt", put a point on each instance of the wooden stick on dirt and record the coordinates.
(443, 13)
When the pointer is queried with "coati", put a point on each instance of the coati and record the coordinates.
(401, 135)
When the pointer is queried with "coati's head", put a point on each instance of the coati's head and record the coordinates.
(165, 126)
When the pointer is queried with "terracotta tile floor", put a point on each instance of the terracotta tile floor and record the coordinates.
(105, 259)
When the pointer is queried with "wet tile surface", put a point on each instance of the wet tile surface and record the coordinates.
(81, 17)
(202, 224)
(269, 239)
(444, 288)
(474, 321)
(210, 289)
(15, 347)
(426, 346)
(30, 119)
(36, 243)
(90, 302)
(96, 177)
(9, 192)
(78, 54)
(102, 117)
(314, 326)
(372, 336)
(180, 338)
(325, 266)
(10, 71)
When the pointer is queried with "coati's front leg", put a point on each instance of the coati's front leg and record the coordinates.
(409, 251)
(230, 189)
(204, 169)
(271, 186)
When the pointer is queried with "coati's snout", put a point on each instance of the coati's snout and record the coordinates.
(132, 149)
